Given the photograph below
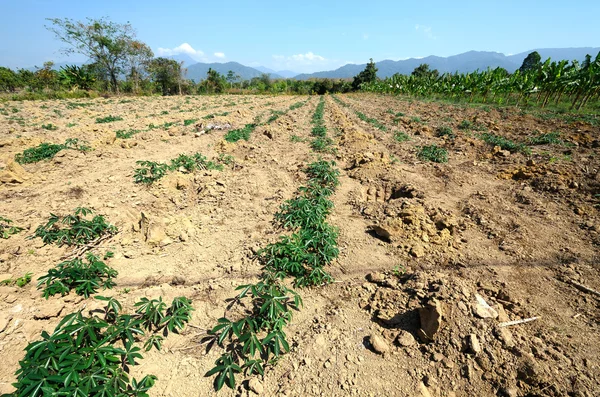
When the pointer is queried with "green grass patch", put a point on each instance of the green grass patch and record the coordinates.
(433, 153)
(108, 119)
(505, 144)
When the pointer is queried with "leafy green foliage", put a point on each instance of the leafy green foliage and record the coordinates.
(19, 281)
(400, 136)
(371, 121)
(49, 127)
(505, 144)
(6, 230)
(74, 229)
(189, 122)
(433, 153)
(193, 163)
(369, 75)
(149, 171)
(126, 134)
(242, 133)
(551, 138)
(48, 150)
(92, 356)
(445, 131)
(322, 144)
(76, 274)
(108, 119)
(258, 338)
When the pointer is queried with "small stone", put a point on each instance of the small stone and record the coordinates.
(505, 336)
(417, 251)
(431, 317)
(378, 344)
(473, 345)
(129, 254)
(437, 357)
(255, 385)
(183, 237)
(4, 320)
(49, 311)
(482, 309)
(376, 277)
(405, 339)
(423, 391)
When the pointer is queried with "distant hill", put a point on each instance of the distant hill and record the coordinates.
(462, 63)
(198, 70)
(283, 73)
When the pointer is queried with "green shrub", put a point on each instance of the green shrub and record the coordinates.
(76, 274)
(505, 144)
(48, 150)
(92, 356)
(433, 153)
(242, 133)
(74, 229)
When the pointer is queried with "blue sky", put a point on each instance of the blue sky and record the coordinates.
(308, 36)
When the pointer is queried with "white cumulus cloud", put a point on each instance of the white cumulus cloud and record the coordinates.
(219, 54)
(184, 48)
(426, 30)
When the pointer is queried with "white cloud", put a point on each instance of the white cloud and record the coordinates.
(184, 48)
(307, 62)
(426, 30)
(219, 55)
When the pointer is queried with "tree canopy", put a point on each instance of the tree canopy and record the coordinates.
(112, 46)
(369, 75)
(531, 62)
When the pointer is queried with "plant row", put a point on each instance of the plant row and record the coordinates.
(263, 309)
(321, 142)
(245, 132)
(49, 150)
(151, 171)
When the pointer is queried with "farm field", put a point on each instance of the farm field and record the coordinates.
(452, 221)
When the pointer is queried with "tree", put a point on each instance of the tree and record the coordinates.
(137, 58)
(369, 75)
(9, 80)
(231, 77)
(214, 81)
(166, 73)
(106, 43)
(532, 62)
(423, 71)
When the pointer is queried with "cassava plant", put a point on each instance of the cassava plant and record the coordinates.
(74, 229)
(92, 356)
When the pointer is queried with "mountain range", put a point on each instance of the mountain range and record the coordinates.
(462, 63)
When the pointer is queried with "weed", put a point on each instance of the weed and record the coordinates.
(76, 274)
(74, 229)
(551, 138)
(469, 125)
(433, 153)
(74, 105)
(401, 136)
(108, 119)
(505, 144)
(241, 133)
(126, 134)
(92, 356)
(6, 230)
(19, 281)
(446, 131)
(49, 127)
